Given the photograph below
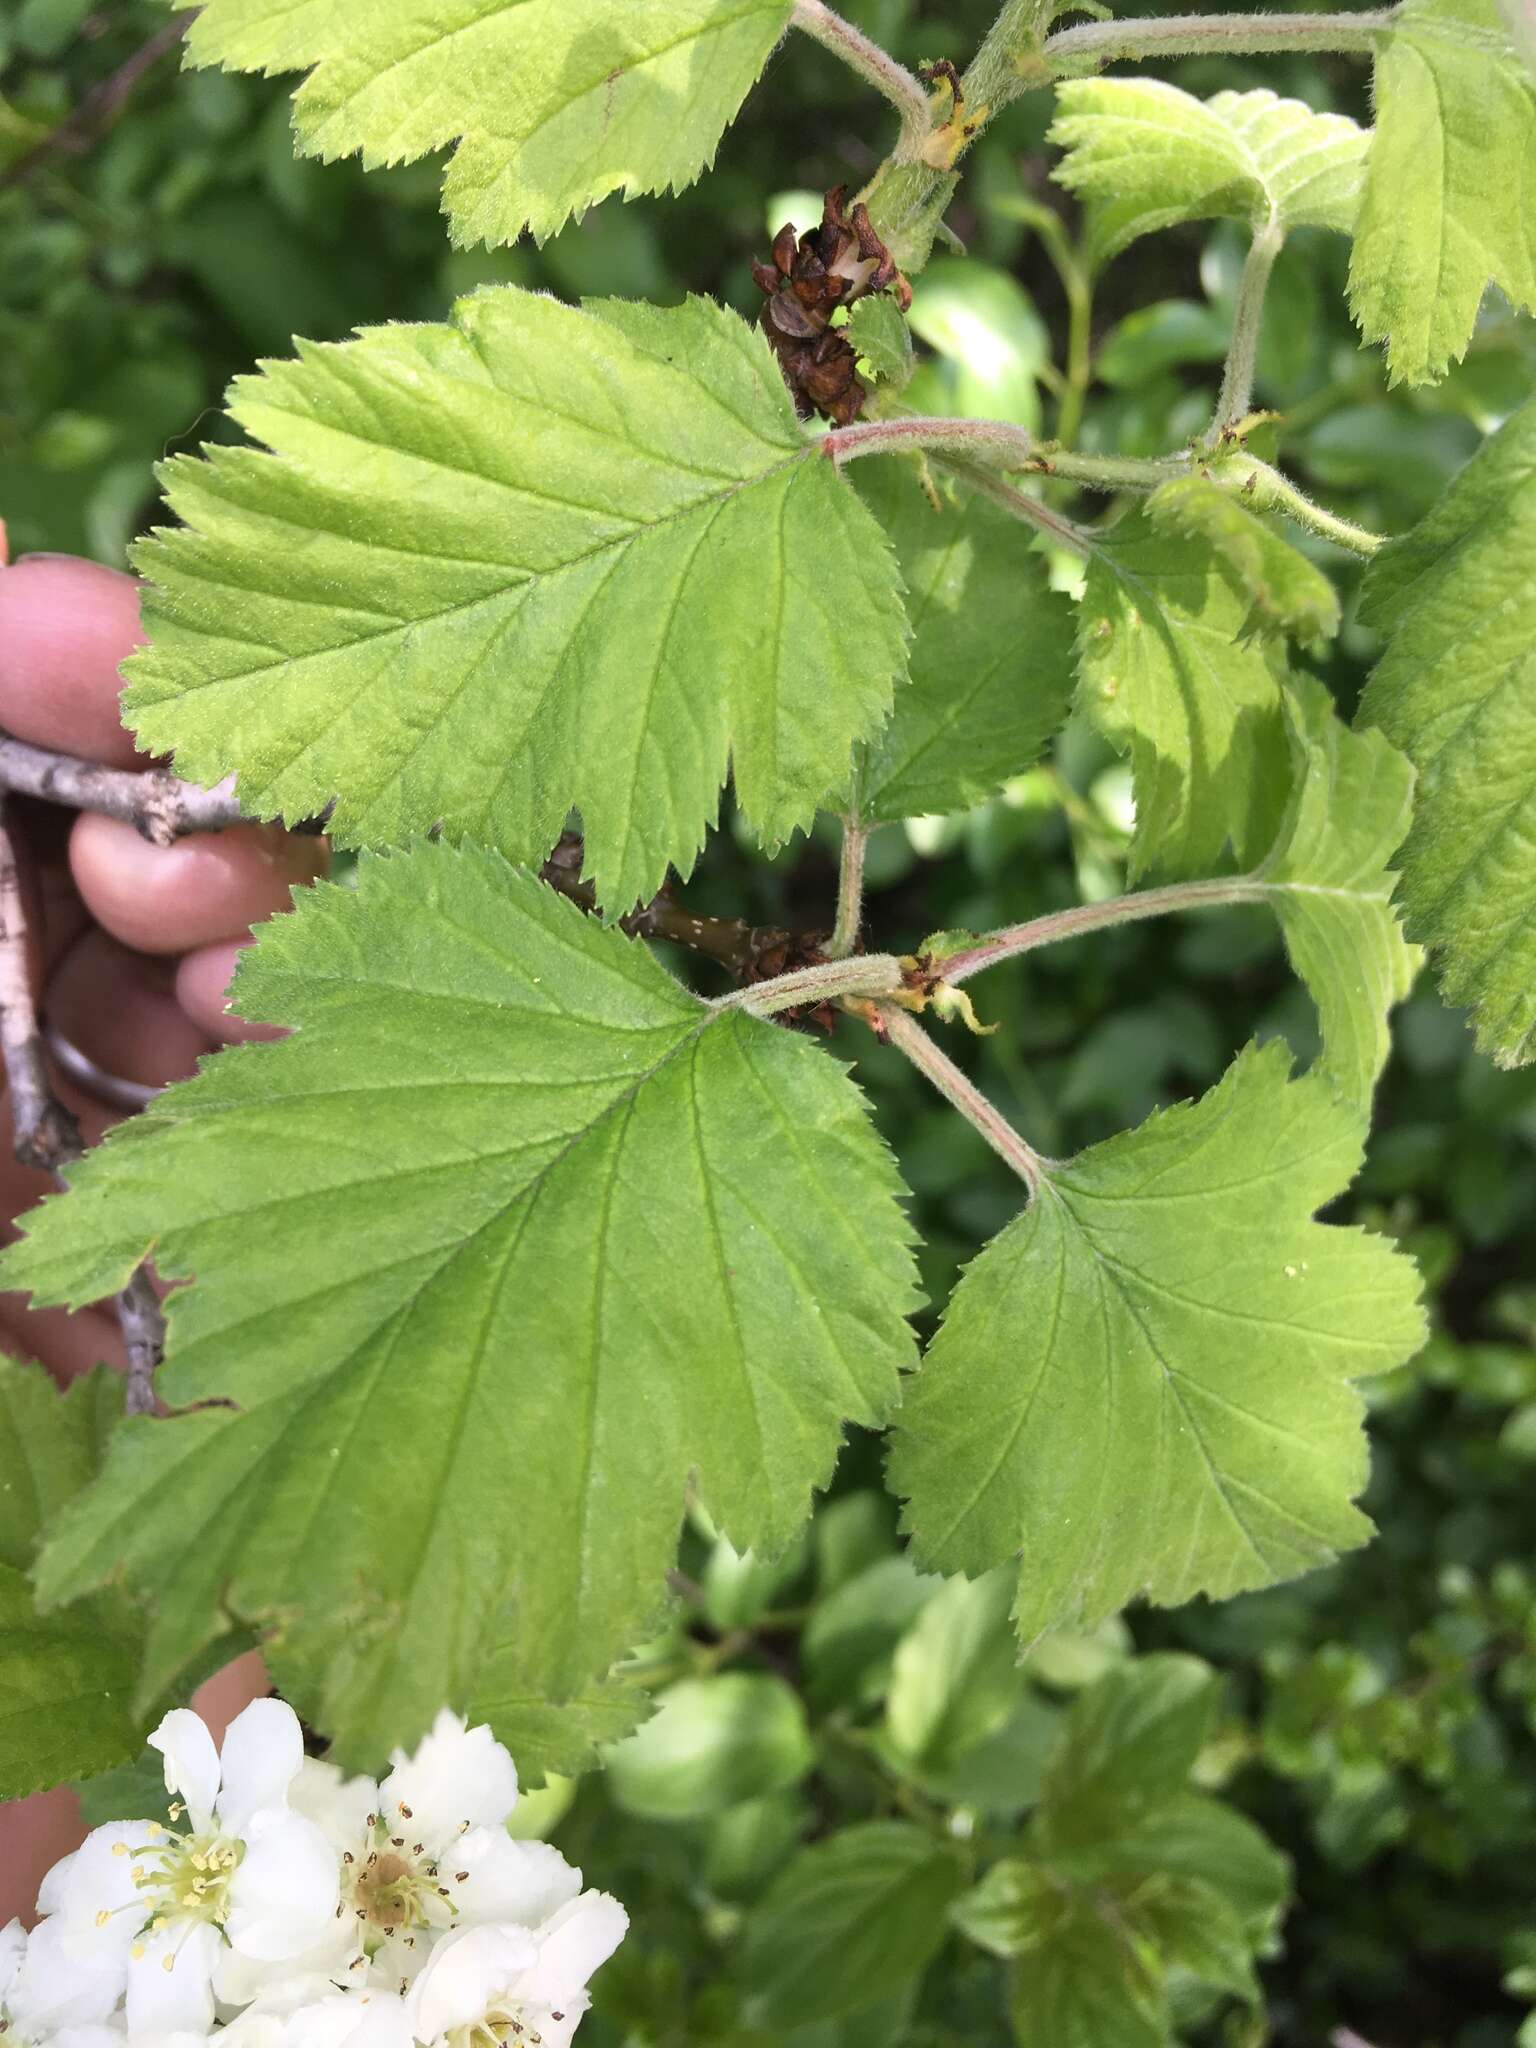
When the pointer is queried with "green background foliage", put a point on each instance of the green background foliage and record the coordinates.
(784, 1829)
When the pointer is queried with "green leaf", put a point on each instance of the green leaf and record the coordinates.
(1010, 1909)
(1144, 1384)
(955, 1678)
(1128, 1747)
(712, 1743)
(851, 1917)
(534, 558)
(851, 1636)
(991, 343)
(1087, 1984)
(1454, 690)
(1193, 1835)
(491, 1255)
(991, 651)
(1447, 206)
(66, 1680)
(877, 328)
(128, 1791)
(1167, 676)
(1287, 591)
(552, 1740)
(66, 1687)
(1193, 1928)
(1143, 155)
(553, 103)
(1327, 878)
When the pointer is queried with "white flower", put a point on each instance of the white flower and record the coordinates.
(336, 2019)
(515, 1984)
(153, 1908)
(427, 1850)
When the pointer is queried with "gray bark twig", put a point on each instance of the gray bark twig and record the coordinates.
(156, 803)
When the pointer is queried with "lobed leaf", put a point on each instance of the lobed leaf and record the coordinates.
(510, 1238)
(533, 558)
(1455, 689)
(1145, 1384)
(1143, 155)
(1450, 194)
(1166, 674)
(1289, 593)
(552, 103)
(991, 655)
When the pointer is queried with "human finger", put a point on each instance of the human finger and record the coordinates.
(66, 626)
(210, 886)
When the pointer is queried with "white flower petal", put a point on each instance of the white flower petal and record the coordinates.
(458, 1774)
(13, 1946)
(66, 1979)
(573, 1943)
(361, 2019)
(263, 1749)
(91, 2037)
(524, 1882)
(50, 1895)
(278, 1987)
(464, 1974)
(338, 1806)
(170, 1983)
(191, 1764)
(99, 1877)
(282, 1899)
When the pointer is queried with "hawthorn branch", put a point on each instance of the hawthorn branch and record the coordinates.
(1195, 35)
(45, 1133)
(908, 1036)
(877, 67)
(1012, 940)
(1243, 354)
(157, 804)
(850, 888)
(101, 105)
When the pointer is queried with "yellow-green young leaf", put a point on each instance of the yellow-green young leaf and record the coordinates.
(1166, 674)
(508, 1240)
(553, 103)
(535, 557)
(1328, 880)
(1456, 690)
(66, 1680)
(1289, 593)
(991, 651)
(850, 1918)
(1144, 155)
(1450, 197)
(1144, 1385)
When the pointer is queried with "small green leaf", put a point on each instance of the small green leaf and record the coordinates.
(1167, 676)
(1087, 1984)
(50, 1447)
(1454, 690)
(852, 1635)
(1447, 207)
(991, 651)
(878, 329)
(427, 1447)
(552, 103)
(1287, 590)
(955, 1678)
(1193, 1835)
(1128, 1746)
(1145, 155)
(1193, 1928)
(1010, 1909)
(130, 1791)
(712, 1743)
(851, 1917)
(534, 558)
(1144, 1384)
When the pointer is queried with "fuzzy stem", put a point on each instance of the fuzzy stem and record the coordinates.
(993, 440)
(1015, 939)
(935, 1065)
(850, 889)
(1243, 354)
(1021, 504)
(1194, 35)
(1110, 472)
(865, 975)
(877, 67)
(1266, 488)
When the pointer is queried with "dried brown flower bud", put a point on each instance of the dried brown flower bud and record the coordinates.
(807, 281)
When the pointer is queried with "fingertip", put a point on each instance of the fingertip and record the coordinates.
(207, 887)
(202, 988)
(66, 627)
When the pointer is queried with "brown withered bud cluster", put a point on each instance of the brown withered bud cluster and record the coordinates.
(830, 266)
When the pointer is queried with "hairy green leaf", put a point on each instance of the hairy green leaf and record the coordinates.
(1450, 195)
(552, 1740)
(1288, 592)
(1166, 674)
(1144, 1384)
(491, 1255)
(1456, 690)
(50, 1447)
(991, 652)
(552, 103)
(1143, 155)
(1328, 879)
(851, 1917)
(533, 558)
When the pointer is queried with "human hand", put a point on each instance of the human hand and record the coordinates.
(133, 946)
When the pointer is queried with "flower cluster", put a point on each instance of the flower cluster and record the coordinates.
(281, 1905)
